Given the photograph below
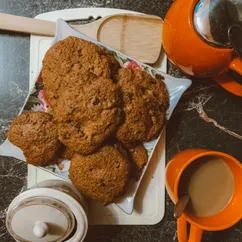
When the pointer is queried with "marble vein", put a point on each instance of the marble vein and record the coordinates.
(198, 104)
(198, 97)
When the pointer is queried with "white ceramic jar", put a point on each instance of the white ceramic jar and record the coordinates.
(52, 211)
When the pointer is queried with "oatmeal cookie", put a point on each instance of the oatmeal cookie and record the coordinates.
(139, 158)
(36, 134)
(136, 154)
(87, 113)
(67, 153)
(69, 58)
(145, 102)
(101, 176)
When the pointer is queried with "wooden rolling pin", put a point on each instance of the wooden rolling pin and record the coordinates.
(138, 36)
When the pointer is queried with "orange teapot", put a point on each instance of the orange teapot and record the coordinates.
(196, 38)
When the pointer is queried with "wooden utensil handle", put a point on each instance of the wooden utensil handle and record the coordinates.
(26, 25)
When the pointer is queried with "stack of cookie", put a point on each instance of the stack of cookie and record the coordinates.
(101, 113)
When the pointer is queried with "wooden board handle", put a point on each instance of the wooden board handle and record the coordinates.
(26, 25)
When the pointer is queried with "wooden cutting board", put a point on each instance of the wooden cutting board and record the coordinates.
(135, 35)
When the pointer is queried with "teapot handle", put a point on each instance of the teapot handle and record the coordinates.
(195, 232)
(236, 65)
(227, 82)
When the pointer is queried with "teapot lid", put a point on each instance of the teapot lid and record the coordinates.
(211, 20)
(42, 215)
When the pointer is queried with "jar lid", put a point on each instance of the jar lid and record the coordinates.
(44, 214)
(40, 219)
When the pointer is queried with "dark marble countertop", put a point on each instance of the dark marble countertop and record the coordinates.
(207, 117)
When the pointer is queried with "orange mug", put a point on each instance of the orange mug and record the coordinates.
(226, 218)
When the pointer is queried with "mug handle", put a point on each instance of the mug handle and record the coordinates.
(195, 232)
